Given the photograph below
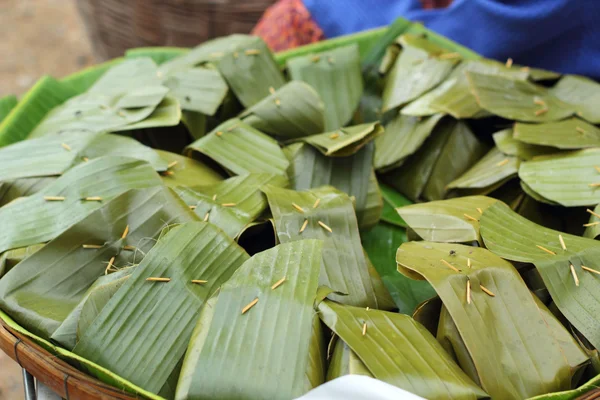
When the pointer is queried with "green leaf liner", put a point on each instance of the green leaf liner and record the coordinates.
(569, 134)
(398, 350)
(344, 267)
(241, 149)
(335, 74)
(120, 337)
(515, 355)
(493, 168)
(230, 338)
(583, 93)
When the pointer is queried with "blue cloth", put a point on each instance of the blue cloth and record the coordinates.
(559, 35)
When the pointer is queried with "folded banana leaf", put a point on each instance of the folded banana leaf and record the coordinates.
(516, 99)
(420, 66)
(510, 146)
(568, 271)
(345, 362)
(46, 94)
(84, 79)
(452, 220)
(344, 141)
(9, 259)
(250, 70)
(403, 136)
(569, 134)
(120, 336)
(270, 296)
(42, 290)
(515, 355)
(592, 228)
(197, 89)
(233, 203)
(381, 244)
(583, 93)
(392, 200)
(328, 214)
(46, 214)
(7, 103)
(538, 74)
(167, 113)
(398, 350)
(293, 111)
(241, 149)
(492, 169)
(353, 175)
(185, 171)
(336, 76)
(570, 179)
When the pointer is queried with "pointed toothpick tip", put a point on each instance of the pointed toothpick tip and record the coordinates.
(157, 279)
(92, 246)
(325, 226)
(252, 52)
(487, 291)
(316, 203)
(271, 90)
(66, 146)
(297, 207)
(479, 210)
(249, 306)
(468, 291)
(562, 242)
(580, 130)
(199, 281)
(172, 164)
(592, 224)
(502, 163)
(452, 267)
(206, 216)
(334, 136)
(54, 198)
(469, 262)
(467, 216)
(125, 232)
(590, 270)
(595, 214)
(541, 112)
(278, 283)
(545, 249)
(509, 63)
(93, 198)
(574, 274)
(303, 227)
(364, 329)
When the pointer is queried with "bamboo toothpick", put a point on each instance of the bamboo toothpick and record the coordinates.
(228, 205)
(575, 278)
(597, 168)
(541, 112)
(545, 249)
(125, 232)
(297, 207)
(324, 226)
(315, 58)
(214, 197)
(206, 216)
(199, 281)
(479, 210)
(562, 242)
(156, 279)
(54, 198)
(316, 203)
(277, 102)
(219, 133)
(540, 102)
(591, 224)
(471, 218)
(502, 163)
(110, 265)
(590, 270)
(93, 198)
(271, 90)
(172, 164)
(468, 291)
(92, 246)
(334, 136)
(252, 52)
(303, 227)
(278, 283)
(364, 330)
(216, 54)
(509, 63)
(249, 306)
(580, 130)
(168, 173)
(232, 127)
(192, 207)
(597, 184)
(468, 262)
(66, 146)
(85, 159)
(448, 56)
(129, 248)
(593, 213)
(525, 69)
(330, 60)
(487, 291)
(452, 267)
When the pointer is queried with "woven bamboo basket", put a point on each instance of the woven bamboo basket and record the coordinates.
(117, 25)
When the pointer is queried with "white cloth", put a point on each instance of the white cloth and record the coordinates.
(358, 387)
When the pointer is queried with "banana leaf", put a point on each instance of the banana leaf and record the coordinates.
(516, 99)
(159, 55)
(452, 220)
(345, 141)
(403, 136)
(94, 300)
(493, 168)
(344, 266)
(538, 74)
(195, 123)
(381, 244)
(510, 146)
(233, 203)
(345, 362)
(398, 350)
(120, 337)
(35, 220)
(353, 175)
(42, 290)
(293, 111)
(187, 171)
(391, 201)
(241, 149)
(236, 340)
(420, 67)
(46, 94)
(7, 103)
(82, 80)
(250, 70)
(167, 113)
(9, 259)
(583, 93)
(515, 355)
(336, 75)
(570, 179)
(198, 89)
(578, 393)
(592, 231)
(568, 134)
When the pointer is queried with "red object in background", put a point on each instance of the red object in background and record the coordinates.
(288, 24)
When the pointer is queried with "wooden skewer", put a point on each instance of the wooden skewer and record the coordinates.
(590, 270)
(199, 281)
(93, 198)
(562, 242)
(303, 227)
(364, 330)
(324, 226)
(316, 203)
(575, 278)
(297, 207)
(155, 279)
(471, 218)
(487, 291)
(125, 232)
(593, 213)
(545, 249)
(452, 267)
(92, 246)
(502, 163)
(592, 224)
(228, 205)
(110, 265)
(249, 306)
(278, 283)
(54, 198)
(66, 146)
(468, 291)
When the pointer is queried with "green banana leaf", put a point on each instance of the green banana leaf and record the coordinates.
(41, 298)
(82, 80)
(452, 220)
(493, 168)
(344, 266)
(233, 203)
(535, 195)
(516, 99)
(344, 141)
(403, 136)
(160, 55)
(570, 179)
(195, 250)
(34, 219)
(187, 171)
(241, 149)
(510, 146)
(353, 175)
(94, 300)
(538, 74)
(591, 385)
(335, 74)
(195, 123)
(293, 111)
(420, 67)
(515, 355)
(345, 362)
(391, 201)
(198, 89)
(398, 350)
(381, 244)
(583, 93)
(250, 70)
(592, 231)
(167, 113)
(235, 341)
(46, 94)
(7, 103)
(568, 134)
(9, 259)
